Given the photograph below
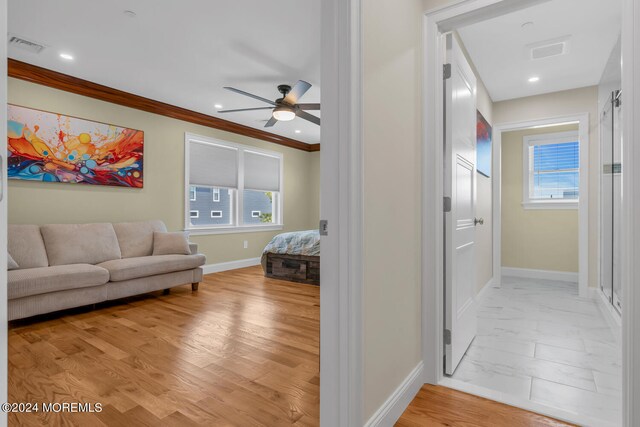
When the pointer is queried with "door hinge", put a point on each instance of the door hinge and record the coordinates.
(447, 204)
(447, 336)
(446, 71)
(324, 227)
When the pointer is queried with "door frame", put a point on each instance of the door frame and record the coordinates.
(442, 19)
(341, 175)
(583, 204)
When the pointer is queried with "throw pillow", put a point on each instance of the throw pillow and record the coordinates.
(11, 263)
(170, 243)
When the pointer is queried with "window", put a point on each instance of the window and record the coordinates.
(551, 167)
(239, 186)
(194, 214)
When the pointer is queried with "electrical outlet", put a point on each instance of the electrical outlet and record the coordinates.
(246, 244)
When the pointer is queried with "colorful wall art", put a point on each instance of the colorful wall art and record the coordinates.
(483, 146)
(51, 147)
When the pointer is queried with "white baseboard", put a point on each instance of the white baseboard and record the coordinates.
(231, 265)
(484, 290)
(527, 273)
(395, 405)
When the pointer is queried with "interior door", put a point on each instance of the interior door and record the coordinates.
(460, 220)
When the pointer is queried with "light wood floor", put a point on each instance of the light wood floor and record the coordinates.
(242, 351)
(441, 406)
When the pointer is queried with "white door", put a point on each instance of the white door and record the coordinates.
(460, 221)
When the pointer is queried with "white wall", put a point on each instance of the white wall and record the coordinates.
(557, 104)
(392, 203)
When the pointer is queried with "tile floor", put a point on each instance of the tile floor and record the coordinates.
(538, 340)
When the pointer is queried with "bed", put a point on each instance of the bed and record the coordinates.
(293, 256)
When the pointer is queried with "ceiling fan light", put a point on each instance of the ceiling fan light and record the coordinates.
(283, 114)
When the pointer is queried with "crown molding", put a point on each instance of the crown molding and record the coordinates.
(43, 76)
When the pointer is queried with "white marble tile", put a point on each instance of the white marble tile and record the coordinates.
(539, 341)
(505, 363)
(608, 384)
(484, 375)
(582, 359)
(576, 400)
(524, 348)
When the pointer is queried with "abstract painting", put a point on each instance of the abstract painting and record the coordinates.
(483, 146)
(49, 147)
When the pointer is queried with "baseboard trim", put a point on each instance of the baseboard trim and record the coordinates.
(395, 405)
(527, 273)
(483, 292)
(230, 265)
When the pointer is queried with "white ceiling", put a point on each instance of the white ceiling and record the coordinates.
(182, 52)
(498, 47)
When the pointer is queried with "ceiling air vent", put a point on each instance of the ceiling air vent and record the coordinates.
(549, 48)
(25, 44)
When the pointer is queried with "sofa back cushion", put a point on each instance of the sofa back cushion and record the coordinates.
(26, 246)
(136, 238)
(80, 243)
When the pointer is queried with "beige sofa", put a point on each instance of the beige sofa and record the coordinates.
(70, 265)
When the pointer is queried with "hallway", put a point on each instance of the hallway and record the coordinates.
(538, 341)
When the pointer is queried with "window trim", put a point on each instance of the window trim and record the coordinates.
(545, 139)
(195, 194)
(197, 214)
(255, 216)
(216, 194)
(216, 216)
(238, 225)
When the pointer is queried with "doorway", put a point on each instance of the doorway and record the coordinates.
(438, 24)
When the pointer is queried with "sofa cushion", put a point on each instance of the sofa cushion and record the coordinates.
(170, 243)
(80, 243)
(26, 246)
(136, 238)
(11, 263)
(132, 268)
(41, 280)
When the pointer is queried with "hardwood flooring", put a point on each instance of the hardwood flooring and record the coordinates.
(441, 406)
(241, 351)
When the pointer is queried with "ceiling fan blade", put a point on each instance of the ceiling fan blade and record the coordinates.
(272, 121)
(245, 109)
(299, 89)
(250, 95)
(309, 117)
(309, 106)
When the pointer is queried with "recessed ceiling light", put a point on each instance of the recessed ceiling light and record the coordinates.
(297, 131)
(130, 13)
(533, 79)
(66, 56)
(218, 106)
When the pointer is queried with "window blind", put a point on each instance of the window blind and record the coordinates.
(261, 172)
(213, 165)
(554, 171)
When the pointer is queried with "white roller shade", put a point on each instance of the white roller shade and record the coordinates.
(261, 172)
(213, 165)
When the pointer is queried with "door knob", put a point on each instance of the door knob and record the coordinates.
(477, 221)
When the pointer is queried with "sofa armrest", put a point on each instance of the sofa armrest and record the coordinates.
(193, 247)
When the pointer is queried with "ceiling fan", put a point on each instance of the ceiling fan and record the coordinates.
(285, 108)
